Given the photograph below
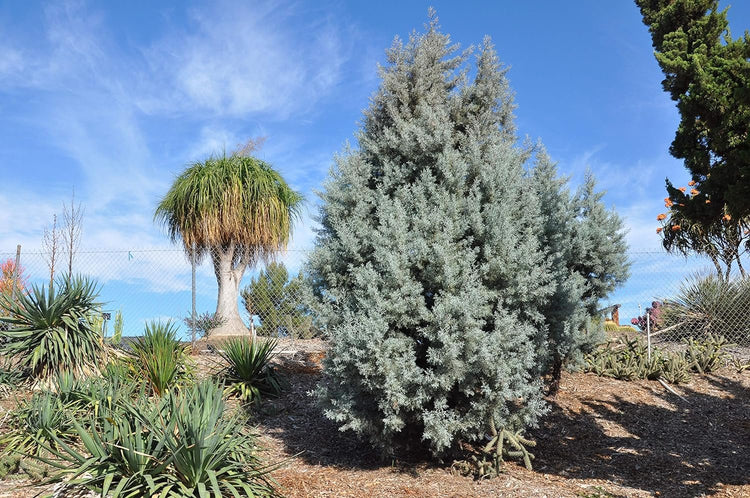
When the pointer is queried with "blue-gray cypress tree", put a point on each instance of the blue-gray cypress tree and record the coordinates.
(431, 274)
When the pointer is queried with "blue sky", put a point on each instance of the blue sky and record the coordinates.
(115, 98)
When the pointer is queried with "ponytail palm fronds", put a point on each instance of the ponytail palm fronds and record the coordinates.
(50, 331)
(230, 200)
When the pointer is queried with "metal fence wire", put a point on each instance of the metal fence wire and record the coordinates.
(674, 297)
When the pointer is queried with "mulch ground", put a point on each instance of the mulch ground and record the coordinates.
(601, 438)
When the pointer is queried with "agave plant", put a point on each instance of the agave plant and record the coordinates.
(248, 372)
(160, 358)
(48, 331)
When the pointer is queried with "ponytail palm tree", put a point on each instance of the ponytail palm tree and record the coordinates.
(238, 211)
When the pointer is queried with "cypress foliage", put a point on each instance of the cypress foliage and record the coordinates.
(586, 252)
(431, 277)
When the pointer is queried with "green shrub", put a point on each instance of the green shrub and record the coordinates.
(160, 359)
(628, 359)
(248, 372)
(675, 368)
(178, 445)
(707, 355)
(41, 421)
(710, 305)
(50, 332)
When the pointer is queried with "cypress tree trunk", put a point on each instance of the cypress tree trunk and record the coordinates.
(228, 275)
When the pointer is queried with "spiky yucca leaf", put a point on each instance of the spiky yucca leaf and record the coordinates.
(50, 332)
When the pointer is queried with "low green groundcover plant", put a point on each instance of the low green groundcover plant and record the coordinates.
(182, 444)
(247, 370)
(628, 359)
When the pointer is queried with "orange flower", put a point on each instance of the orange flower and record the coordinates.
(708, 201)
(661, 217)
(682, 189)
(658, 230)
(691, 183)
(727, 217)
(694, 192)
(681, 204)
(675, 228)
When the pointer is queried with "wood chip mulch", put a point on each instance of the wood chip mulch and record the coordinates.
(601, 438)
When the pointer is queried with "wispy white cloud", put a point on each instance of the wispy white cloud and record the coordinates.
(239, 59)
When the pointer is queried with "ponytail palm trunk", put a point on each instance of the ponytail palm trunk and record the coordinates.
(229, 267)
(237, 210)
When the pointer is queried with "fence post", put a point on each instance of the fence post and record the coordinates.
(648, 332)
(15, 274)
(192, 314)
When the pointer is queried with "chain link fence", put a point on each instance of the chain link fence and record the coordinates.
(139, 286)
(675, 298)
(671, 296)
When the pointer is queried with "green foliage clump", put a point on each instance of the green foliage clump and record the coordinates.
(277, 301)
(445, 285)
(707, 355)
(628, 359)
(181, 444)
(707, 73)
(160, 359)
(625, 359)
(248, 372)
(50, 331)
(676, 368)
(710, 305)
(203, 323)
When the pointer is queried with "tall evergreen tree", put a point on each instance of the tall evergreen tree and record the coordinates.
(439, 259)
(428, 273)
(707, 73)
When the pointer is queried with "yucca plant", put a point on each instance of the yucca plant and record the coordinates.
(48, 330)
(160, 359)
(212, 453)
(42, 420)
(710, 305)
(248, 372)
(122, 450)
(180, 445)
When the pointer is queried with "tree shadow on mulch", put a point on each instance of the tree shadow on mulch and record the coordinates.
(298, 422)
(690, 448)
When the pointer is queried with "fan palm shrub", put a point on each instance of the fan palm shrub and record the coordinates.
(49, 331)
(248, 372)
(160, 358)
(235, 209)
